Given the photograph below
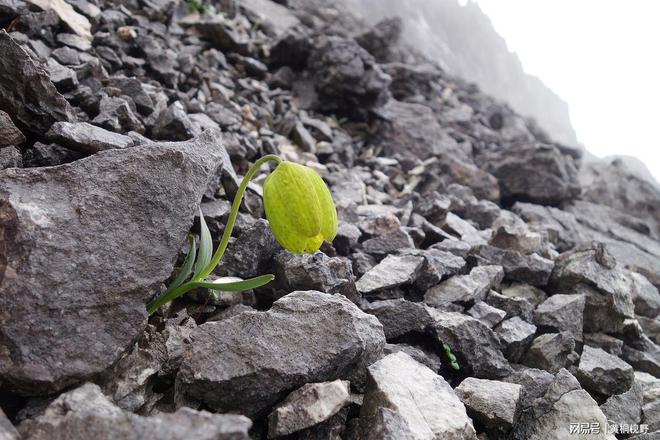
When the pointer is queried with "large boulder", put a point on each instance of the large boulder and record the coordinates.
(83, 247)
(248, 362)
(85, 413)
(26, 91)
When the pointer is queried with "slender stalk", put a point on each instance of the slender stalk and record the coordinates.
(224, 241)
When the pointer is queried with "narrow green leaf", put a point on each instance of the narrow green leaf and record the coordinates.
(205, 246)
(236, 286)
(186, 269)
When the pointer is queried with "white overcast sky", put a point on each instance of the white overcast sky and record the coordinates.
(600, 56)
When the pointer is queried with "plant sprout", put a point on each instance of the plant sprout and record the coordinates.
(301, 214)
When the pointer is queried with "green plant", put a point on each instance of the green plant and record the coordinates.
(452, 359)
(301, 215)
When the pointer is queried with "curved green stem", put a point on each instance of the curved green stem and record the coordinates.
(224, 241)
(168, 296)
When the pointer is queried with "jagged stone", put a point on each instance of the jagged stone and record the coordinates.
(491, 402)
(604, 373)
(425, 357)
(561, 313)
(79, 216)
(531, 294)
(399, 316)
(307, 406)
(251, 253)
(515, 335)
(550, 352)
(305, 337)
(487, 314)
(405, 399)
(531, 269)
(9, 134)
(10, 157)
(86, 138)
(512, 305)
(625, 407)
(85, 413)
(393, 271)
(465, 288)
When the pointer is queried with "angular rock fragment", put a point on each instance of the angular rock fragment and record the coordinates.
(26, 92)
(604, 373)
(645, 296)
(625, 407)
(174, 124)
(550, 352)
(561, 313)
(405, 399)
(7, 430)
(437, 265)
(465, 288)
(85, 413)
(399, 316)
(512, 305)
(533, 295)
(307, 406)
(9, 134)
(250, 254)
(515, 335)
(10, 157)
(82, 216)
(491, 402)
(425, 357)
(487, 314)
(393, 271)
(86, 138)
(535, 383)
(531, 269)
(305, 337)
(474, 344)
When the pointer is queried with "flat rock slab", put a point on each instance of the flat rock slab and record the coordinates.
(248, 362)
(604, 373)
(26, 92)
(406, 400)
(83, 247)
(85, 413)
(86, 138)
(393, 271)
(491, 402)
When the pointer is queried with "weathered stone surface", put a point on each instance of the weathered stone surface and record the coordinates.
(26, 92)
(399, 316)
(85, 413)
(561, 313)
(515, 336)
(465, 288)
(625, 407)
(9, 134)
(425, 357)
(512, 305)
(531, 269)
(533, 295)
(421, 404)
(173, 124)
(535, 383)
(563, 404)
(307, 406)
(388, 243)
(10, 157)
(78, 218)
(305, 337)
(412, 131)
(474, 344)
(86, 138)
(487, 314)
(608, 343)
(393, 271)
(645, 296)
(533, 173)
(604, 373)
(7, 430)
(491, 402)
(436, 266)
(316, 272)
(550, 351)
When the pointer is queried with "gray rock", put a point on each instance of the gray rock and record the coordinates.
(347, 237)
(533, 295)
(608, 343)
(399, 316)
(9, 134)
(534, 382)
(116, 114)
(465, 288)
(487, 314)
(475, 345)
(424, 357)
(7, 430)
(307, 406)
(85, 413)
(561, 313)
(305, 337)
(422, 404)
(515, 335)
(512, 305)
(388, 243)
(625, 407)
(533, 173)
(174, 124)
(604, 373)
(26, 92)
(316, 272)
(550, 351)
(650, 386)
(531, 269)
(393, 271)
(86, 138)
(10, 157)
(562, 406)
(275, 18)
(77, 218)
(251, 253)
(645, 296)
(437, 265)
(64, 78)
(412, 130)
(491, 402)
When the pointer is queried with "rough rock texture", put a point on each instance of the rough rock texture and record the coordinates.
(604, 373)
(26, 92)
(550, 351)
(421, 404)
(515, 336)
(561, 313)
(80, 217)
(491, 402)
(465, 288)
(86, 138)
(393, 271)
(7, 430)
(625, 407)
(86, 413)
(305, 337)
(9, 134)
(307, 406)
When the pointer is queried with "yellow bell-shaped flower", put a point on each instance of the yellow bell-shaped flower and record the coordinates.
(299, 208)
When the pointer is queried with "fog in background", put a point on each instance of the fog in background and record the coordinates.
(598, 58)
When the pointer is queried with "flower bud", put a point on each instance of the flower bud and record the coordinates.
(299, 208)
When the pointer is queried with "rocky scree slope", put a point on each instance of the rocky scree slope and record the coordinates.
(462, 223)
